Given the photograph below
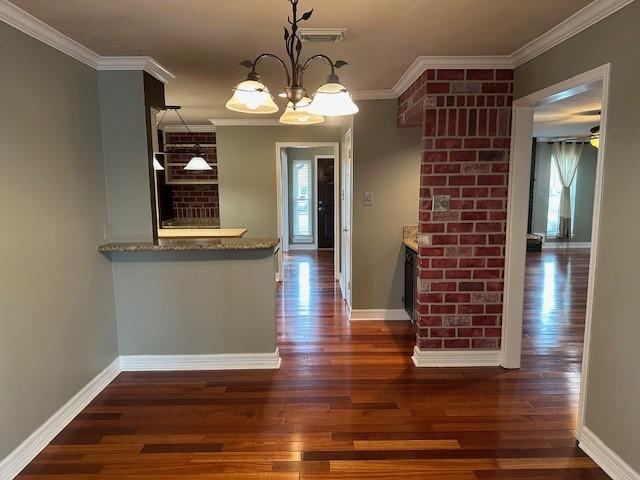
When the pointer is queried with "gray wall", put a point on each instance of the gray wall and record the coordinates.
(56, 292)
(188, 303)
(126, 155)
(585, 189)
(247, 172)
(303, 154)
(386, 161)
(613, 393)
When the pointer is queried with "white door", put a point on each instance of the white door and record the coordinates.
(346, 207)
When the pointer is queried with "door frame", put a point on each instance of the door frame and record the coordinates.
(347, 159)
(335, 197)
(282, 209)
(517, 202)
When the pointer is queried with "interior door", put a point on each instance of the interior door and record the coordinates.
(346, 207)
(326, 207)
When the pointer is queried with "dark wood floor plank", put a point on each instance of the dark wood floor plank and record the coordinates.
(348, 402)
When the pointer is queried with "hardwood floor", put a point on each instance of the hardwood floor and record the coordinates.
(347, 402)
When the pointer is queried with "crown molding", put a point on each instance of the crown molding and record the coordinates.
(576, 23)
(147, 64)
(192, 128)
(425, 63)
(373, 94)
(36, 28)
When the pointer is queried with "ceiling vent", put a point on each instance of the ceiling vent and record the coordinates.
(322, 34)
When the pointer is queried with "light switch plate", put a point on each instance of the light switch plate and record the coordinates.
(368, 199)
(441, 203)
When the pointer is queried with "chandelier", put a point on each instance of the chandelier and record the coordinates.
(331, 99)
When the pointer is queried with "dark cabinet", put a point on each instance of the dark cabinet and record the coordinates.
(410, 281)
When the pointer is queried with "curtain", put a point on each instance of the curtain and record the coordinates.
(566, 157)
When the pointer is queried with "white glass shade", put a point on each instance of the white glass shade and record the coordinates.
(251, 96)
(595, 141)
(333, 100)
(157, 166)
(301, 114)
(197, 163)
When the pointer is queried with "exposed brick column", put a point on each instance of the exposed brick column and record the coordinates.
(466, 120)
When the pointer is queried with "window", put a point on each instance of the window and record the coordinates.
(302, 200)
(555, 191)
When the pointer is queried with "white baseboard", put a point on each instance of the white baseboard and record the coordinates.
(456, 358)
(226, 361)
(606, 458)
(379, 314)
(563, 245)
(17, 460)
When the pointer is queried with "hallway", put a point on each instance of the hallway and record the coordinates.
(347, 402)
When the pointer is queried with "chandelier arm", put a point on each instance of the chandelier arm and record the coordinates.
(275, 57)
(319, 56)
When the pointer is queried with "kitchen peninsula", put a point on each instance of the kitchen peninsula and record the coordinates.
(205, 302)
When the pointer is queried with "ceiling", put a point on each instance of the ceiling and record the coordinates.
(202, 41)
(573, 115)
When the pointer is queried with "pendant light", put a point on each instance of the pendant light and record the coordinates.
(300, 114)
(197, 161)
(331, 99)
(157, 166)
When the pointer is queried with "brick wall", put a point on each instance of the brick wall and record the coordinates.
(192, 200)
(465, 116)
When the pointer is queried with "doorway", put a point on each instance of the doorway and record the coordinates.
(518, 201)
(307, 189)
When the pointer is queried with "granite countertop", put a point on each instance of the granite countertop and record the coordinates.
(410, 237)
(192, 245)
(201, 232)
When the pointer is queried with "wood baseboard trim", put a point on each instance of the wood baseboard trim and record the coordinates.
(455, 358)
(226, 361)
(387, 315)
(606, 458)
(17, 460)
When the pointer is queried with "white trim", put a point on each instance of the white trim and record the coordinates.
(517, 201)
(19, 458)
(386, 315)
(373, 95)
(455, 358)
(224, 361)
(147, 64)
(253, 122)
(606, 458)
(193, 128)
(36, 28)
(576, 23)
(564, 245)
(423, 63)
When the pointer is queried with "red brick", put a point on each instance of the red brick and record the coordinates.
(442, 332)
(484, 343)
(475, 192)
(463, 156)
(493, 332)
(450, 74)
(473, 239)
(444, 240)
(470, 332)
(484, 320)
(430, 321)
(457, 343)
(458, 274)
(486, 274)
(473, 215)
(471, 286)
(443, 309)
(459, 227)
(446, 168)
(438, 87)
(444, 262)
(429, 343)
(485, 74)
(487, 251)
(432, 251)
(443, 286)
(472, 262)
(457, 298)
(504, 74)
(462, 180)
(434, 156)
(448, 143)
(495, 87)
(470, 309)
